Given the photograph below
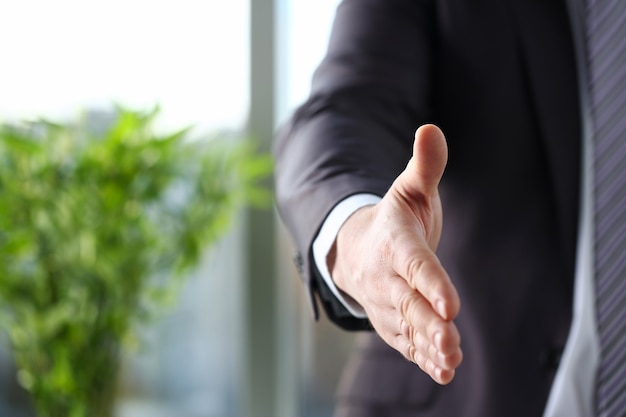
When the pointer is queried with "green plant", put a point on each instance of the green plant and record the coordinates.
(94, 231)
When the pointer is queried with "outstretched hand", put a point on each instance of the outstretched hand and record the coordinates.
(384, 258)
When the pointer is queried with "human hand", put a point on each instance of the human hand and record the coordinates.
(384, 258)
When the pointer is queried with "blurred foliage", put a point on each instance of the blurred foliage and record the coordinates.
(94, 231)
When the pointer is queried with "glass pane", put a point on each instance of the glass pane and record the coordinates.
(323, 348)
(62, 57)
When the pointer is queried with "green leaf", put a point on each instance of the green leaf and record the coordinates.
(97, 231)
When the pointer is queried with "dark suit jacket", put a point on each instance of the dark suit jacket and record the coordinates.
(499, 77)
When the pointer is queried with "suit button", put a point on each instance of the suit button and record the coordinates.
(550, 358)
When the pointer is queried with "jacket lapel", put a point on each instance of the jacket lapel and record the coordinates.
(548, 50)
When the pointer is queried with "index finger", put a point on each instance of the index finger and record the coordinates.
(419, 266)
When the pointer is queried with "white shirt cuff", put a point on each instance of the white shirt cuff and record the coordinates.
(326, 237)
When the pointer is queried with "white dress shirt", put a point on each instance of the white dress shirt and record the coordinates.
(573, 390)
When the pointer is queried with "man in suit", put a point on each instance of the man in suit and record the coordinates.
(483, 305)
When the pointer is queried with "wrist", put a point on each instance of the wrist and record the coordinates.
(346, 246)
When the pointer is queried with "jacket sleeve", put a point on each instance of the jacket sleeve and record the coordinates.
(354, 134)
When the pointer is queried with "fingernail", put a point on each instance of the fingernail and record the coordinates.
(439, 306)
(441, 359)
(437, 340)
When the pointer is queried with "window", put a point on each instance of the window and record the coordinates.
(62, 57)
(192, 57)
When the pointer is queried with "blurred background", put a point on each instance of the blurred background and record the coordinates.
(240, 341)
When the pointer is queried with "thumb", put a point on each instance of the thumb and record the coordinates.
(425, 169)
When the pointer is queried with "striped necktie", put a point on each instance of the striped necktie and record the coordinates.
(606, 54)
